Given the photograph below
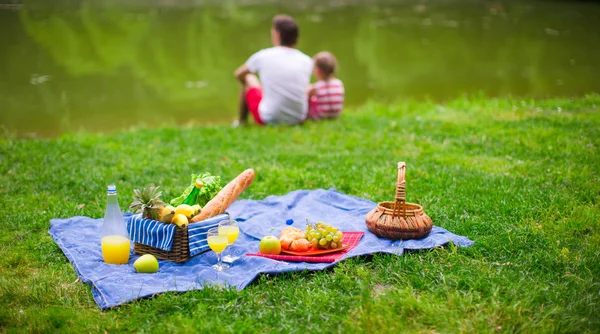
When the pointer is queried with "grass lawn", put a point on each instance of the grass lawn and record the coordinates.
(520, 177)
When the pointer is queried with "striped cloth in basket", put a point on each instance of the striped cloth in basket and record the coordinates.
(197, 233)
(160, 235)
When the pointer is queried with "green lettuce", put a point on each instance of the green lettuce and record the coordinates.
(212, 186)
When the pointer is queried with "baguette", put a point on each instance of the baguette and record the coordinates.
(226, 196)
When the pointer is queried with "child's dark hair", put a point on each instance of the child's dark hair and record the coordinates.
(287, 28)
(326, 62)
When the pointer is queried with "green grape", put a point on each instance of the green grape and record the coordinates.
(314, 242)
(323, 236)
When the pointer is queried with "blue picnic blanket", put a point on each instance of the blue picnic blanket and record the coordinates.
(113, 285)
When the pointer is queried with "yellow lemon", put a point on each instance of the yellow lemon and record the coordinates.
(196, 208)
(167, 214)
(180, 220)
(185, 210)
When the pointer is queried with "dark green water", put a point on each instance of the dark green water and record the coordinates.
(84, 66)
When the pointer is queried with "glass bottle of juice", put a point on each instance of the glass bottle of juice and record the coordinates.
(115, 239)
(192, 198)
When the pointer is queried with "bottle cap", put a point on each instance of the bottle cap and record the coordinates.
(112, 188)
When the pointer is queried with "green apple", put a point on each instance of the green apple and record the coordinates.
(146, 264)
(270, 245)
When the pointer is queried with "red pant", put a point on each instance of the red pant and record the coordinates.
(253, 97)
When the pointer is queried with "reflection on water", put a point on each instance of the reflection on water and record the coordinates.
(101, 67)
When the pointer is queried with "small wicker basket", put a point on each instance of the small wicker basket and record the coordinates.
(399, 219)
(180, 251)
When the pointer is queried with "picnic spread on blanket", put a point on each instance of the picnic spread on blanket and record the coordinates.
(206, 237)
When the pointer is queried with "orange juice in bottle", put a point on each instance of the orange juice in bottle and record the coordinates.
(115, 239)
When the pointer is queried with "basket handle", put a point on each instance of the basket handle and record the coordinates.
(400, 202)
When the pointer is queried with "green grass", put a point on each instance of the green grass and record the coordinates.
(521, 178)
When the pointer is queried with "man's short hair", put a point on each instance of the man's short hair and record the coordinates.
(326, 62)
(287, 28)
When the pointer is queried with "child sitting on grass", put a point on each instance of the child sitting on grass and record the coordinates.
(326, 96)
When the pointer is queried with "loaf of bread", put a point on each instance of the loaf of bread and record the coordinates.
(226, 196)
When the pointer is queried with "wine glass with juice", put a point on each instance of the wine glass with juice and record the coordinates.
(230, 229)
(217, 243)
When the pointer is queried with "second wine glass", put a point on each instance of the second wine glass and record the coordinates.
(230, 229)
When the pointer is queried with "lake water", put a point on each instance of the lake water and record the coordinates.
(80, 65)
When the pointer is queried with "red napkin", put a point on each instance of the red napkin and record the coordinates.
(350, 238)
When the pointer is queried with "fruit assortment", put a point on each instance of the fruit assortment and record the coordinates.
(318, 236)
(148, 202)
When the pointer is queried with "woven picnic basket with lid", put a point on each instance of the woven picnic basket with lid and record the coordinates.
(399, 219)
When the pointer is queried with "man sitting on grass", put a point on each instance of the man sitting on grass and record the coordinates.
(280, 97)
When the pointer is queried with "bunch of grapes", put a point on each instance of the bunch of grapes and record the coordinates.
(323, 236)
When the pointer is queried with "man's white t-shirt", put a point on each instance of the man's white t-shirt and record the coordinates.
(284, 75)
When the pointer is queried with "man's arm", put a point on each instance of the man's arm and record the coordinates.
(311, 90)
(241, 73)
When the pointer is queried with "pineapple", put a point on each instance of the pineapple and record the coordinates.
(147, 200)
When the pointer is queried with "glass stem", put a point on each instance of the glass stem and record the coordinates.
(219, 259)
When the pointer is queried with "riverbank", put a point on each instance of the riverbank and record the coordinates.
(104, 65)
(520, 178)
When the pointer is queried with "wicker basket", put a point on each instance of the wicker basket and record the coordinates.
(399, 220)
(195, 233)
(180, 251)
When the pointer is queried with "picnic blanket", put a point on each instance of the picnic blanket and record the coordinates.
(112, 285)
